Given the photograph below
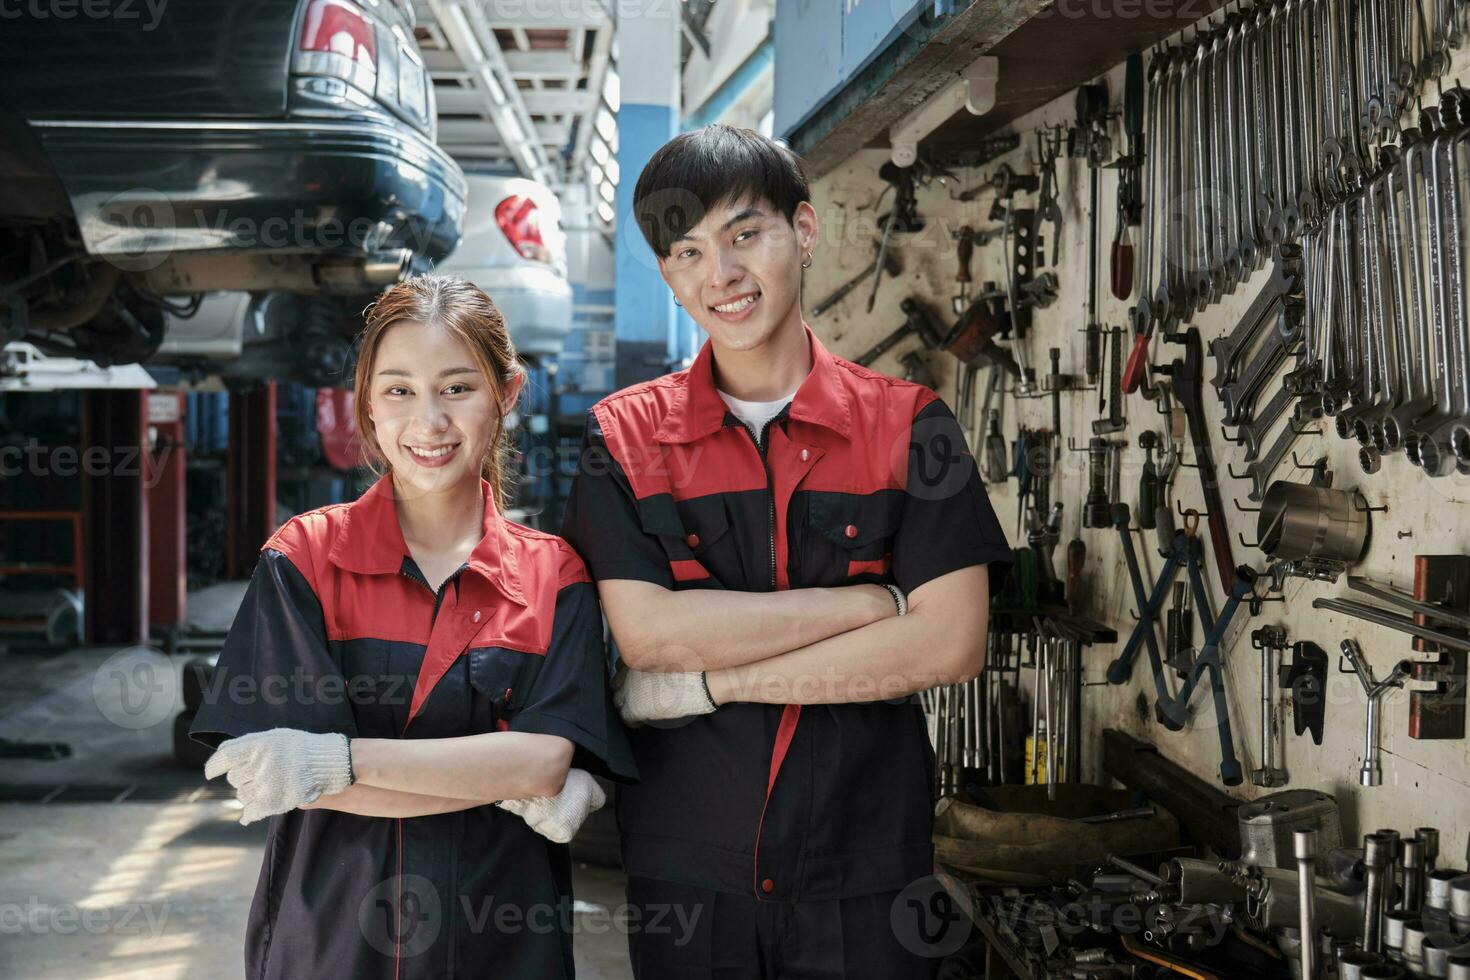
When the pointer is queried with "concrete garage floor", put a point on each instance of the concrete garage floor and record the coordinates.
(158, 885)
(160, 891)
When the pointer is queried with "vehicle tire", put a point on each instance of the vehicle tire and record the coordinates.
(188, 752)
(195, 681)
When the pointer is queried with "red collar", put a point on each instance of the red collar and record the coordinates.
(371, 541)
(697, 410)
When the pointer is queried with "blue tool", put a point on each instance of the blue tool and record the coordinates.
(1173, 710)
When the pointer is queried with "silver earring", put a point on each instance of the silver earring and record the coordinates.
(808, 263)
(677, 303)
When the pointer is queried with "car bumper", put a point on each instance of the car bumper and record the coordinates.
(143, 188)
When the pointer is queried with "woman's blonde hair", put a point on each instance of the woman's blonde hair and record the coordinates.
(464, 310)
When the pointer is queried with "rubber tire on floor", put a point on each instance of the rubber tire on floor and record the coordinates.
(195, 681)
(188, 752)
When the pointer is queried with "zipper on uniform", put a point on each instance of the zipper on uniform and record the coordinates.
(760, 447)
(410, 572)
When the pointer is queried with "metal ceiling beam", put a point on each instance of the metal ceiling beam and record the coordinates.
(454, 100)
(483, 151)
(596, 79)
(543, 64)
(453, 131)
(473, 42)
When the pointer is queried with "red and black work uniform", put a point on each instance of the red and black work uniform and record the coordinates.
(795, 823)
(340, 632)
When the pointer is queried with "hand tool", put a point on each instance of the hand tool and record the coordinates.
(1268, 640)
(1056, 382)
(1413, 882)
(1114, 421)
(1092, 106)
(1018, 270)
(1179, 632)
(1148, 482)
(1430, 837)
(1282, 292)
(964, 249)
(1172, 710)
(995, 468)
(1377, 860)
(1021, 466)
(1121, 260)
(892, 265)
(1239, 395)
(1322, 528)
(1381, 617)
(1076, 560)
(1047, 209)
(1304, 844)
(903, 214)
(1176, 709)
(1121, 669)
(1187, 384)
(1371, 773)
(1042, 537)
(1097, 507)
(916, 320)
(1251, 435)
(1306, 678)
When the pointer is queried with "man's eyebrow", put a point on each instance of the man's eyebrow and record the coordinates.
(443, 374)
(750, 212)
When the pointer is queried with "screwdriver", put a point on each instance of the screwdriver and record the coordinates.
(1076, 558)
(1128, 178)
(964, 248)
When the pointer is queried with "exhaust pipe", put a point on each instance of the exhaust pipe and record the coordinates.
(380, 269)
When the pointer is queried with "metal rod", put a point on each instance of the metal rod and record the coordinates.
(1413, 874)
(1403, 624)
(1377, 852)
(1305, 842)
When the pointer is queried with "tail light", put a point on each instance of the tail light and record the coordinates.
(338, 39)
(518, 218)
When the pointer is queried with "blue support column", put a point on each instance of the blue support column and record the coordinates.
(648, 117)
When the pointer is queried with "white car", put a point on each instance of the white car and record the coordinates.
(514, 249)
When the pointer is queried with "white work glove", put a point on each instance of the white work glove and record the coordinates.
(280, 769)
(559, 817)
(643, 696)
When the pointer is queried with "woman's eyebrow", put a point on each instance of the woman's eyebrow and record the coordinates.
(399, 372)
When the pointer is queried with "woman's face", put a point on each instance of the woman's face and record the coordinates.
(432, 409)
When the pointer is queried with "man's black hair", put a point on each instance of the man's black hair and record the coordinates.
(697, 170)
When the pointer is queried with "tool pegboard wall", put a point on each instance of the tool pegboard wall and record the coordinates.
(1300, 230)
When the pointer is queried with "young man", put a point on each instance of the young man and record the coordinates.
(787, 547)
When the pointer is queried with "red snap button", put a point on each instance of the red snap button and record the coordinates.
(850, 530)
(768, 886)
(693, 540)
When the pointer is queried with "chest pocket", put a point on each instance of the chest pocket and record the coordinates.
(697, 538)
(501, 683)
(848, 536)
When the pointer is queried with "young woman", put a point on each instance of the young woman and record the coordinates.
(414, 690)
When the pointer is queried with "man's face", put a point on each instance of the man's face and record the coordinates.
(738, 272)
